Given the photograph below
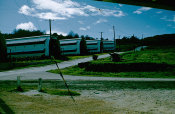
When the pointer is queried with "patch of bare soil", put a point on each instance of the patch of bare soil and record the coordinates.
(91, 101)
(145, 101)
(51, 104)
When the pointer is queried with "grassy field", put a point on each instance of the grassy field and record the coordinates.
(48, 86)
(158, 55)
(25, 64)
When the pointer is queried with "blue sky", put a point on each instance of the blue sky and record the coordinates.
(85, 17)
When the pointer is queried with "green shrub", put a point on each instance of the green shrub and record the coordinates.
(83, 47)
(94, 57)
(126, 67)
(3, 49)
(115, 57)
(83, 65)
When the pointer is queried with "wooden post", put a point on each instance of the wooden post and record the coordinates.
(18, 82)
(40, 85)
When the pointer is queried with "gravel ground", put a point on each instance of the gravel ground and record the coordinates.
(128, 101)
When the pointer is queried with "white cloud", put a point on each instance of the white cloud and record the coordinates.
(81, 22)
(159, 12)
(142, 9)
(26, 10)
(166, 19)
(101, 21)
(173, 20)
(169, 25)
(104, 12)
(85, 28)
(120, 5)
(63, 9)
(49, 15)
(26, 26)
(58, 32)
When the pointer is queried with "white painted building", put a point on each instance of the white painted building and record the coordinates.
(28, 46)
(108, 45)
(70, 46)
(93, 46)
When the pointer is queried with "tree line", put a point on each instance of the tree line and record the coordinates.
(165, 39)
(26, 33)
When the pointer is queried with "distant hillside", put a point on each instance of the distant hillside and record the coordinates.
(165, 39)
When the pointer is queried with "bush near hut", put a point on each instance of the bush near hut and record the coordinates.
(3, 49)
(94, 57)
(124, 67)
(83, 47)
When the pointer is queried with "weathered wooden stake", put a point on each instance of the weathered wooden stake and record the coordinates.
(40, 85)
(18, 82)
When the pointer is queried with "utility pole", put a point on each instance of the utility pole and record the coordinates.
(50, 27)
(101, 35)
(114, 38)
(101, 43)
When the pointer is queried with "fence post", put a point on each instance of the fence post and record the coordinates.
(19, 84)
(40, 85)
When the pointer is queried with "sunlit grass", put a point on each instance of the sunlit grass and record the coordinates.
(161, 54)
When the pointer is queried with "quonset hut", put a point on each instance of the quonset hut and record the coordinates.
(108, 45)
(70, 46)
(93, 46)
(28, 46)
(39, 46)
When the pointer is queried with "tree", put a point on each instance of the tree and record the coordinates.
(55, 49)
(70, 35)
(101, 46)
(25, 33)
(3, 49)
(76, 36)
(83, 47)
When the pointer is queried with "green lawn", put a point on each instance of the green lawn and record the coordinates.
(25, 64)
(156, 54)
